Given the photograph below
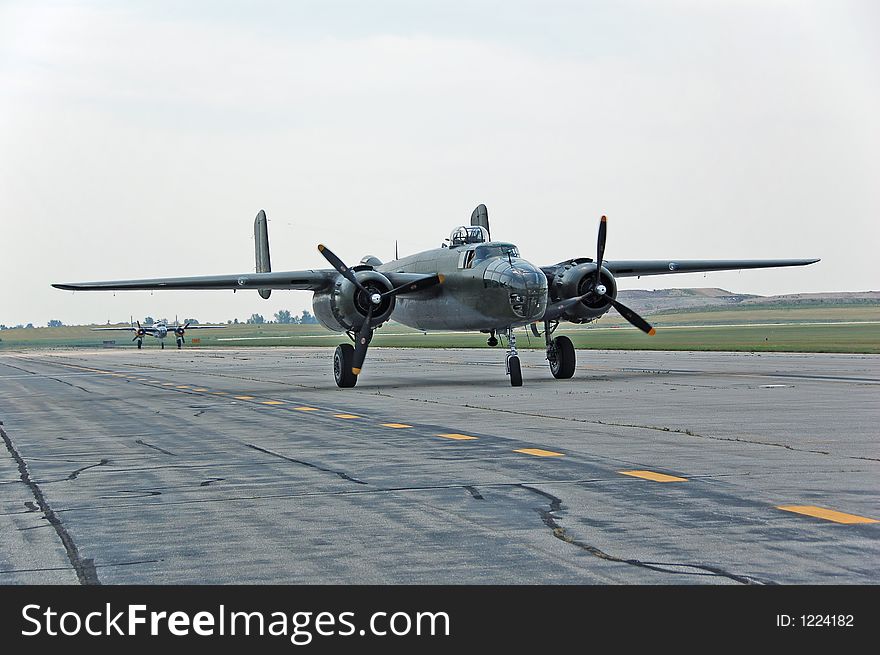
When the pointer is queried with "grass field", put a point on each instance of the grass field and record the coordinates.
(845, 329)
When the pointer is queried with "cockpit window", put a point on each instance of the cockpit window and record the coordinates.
(482, 253)
(467, 234)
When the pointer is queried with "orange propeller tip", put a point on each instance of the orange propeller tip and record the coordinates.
(604, 218)
(652, 332)
(441, 278)
(321, 247)
(356, 371)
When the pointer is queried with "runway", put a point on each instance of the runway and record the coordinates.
(250, 466)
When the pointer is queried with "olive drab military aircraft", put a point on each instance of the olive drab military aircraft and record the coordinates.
(469, 283)
(160, 330)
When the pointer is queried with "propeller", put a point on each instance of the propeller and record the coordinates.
(365, 332)
(139, 334)
(180, 329)
(600, 291)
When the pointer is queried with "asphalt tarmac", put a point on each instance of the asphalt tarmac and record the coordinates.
(250, 466)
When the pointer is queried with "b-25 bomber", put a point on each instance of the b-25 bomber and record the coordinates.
(469, 283)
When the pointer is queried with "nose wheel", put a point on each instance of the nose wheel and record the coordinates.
(514, 370)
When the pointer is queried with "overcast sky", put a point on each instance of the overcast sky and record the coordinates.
(140, 138)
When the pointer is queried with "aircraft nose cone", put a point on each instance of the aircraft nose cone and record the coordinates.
(525, 286)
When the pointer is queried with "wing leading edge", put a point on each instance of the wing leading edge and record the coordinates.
(633, 268)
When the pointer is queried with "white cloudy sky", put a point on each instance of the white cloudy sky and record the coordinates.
(139, 139)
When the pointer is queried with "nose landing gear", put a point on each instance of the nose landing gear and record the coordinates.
(513, 367)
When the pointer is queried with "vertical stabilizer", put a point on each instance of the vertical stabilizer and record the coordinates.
(261, 247)
(481, 217)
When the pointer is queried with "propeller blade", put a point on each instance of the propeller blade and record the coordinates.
(600, 247)
(341, 268)
(632, 317)
(418, 285)
(363, 341)
(557, 309)
(136, 337)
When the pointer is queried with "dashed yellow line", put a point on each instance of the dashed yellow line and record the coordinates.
(457, 437)
(346, 416)
(243, 397)
(396, 425)
(199, 389)
(167, 384)
(306, 409)
(827, 514)
(182, 386)
(272, 402)
(653, 476)
(538, 452)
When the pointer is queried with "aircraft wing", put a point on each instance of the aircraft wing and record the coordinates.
(633, 268)
(124, 329)
(303, 280)
(197, 327)
(314, 280)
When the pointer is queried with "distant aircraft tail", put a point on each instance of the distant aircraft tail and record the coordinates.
(261, 247)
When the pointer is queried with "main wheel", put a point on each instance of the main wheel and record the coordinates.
(179, 344)
(562, 358)
(140, 343)
(342, 361)
(163, 344)
(515, 371)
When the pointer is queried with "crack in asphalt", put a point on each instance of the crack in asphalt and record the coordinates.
(342, 475)
(85, 568)
(149, 445)
(663, 567)
(75, 474)
(473, 492)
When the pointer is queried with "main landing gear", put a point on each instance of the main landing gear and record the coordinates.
(560, 352)
(162, 344)
(343, 359)
(179, 343)
(140, 343)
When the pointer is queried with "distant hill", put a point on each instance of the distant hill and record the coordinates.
(665, 300)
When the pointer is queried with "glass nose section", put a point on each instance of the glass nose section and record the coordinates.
(525, 284)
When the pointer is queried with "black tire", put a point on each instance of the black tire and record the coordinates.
(163, 344)
(342, 361)
(515, 371)
(179, 344)
(140, 343)
(562, 358)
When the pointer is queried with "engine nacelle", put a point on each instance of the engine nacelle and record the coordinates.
(575, 280)
(345, 307)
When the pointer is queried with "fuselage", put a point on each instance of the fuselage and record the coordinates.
(486, 286)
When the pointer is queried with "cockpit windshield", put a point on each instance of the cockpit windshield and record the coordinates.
(482, 253)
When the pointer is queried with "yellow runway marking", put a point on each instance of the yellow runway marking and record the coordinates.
(456, 436)
(272, 402)
(827, 514)
(182, 386)
(219, 393)
(244, 397)
(396, 425)
(346, 416)
(167, 384)
(537, 452)
(307, 409)
(199, 389)
(654, 477)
